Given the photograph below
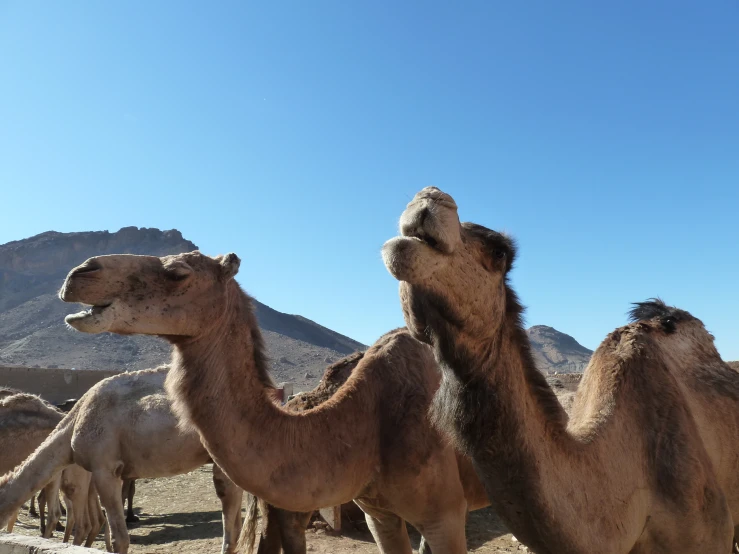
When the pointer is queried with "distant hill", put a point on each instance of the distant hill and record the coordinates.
(32, 330)
(735, 365)
(557, 352)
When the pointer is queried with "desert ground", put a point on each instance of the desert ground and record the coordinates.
(182, 514)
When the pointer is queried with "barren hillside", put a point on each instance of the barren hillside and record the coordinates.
(32, 331)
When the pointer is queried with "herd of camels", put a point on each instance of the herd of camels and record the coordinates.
(444, 416)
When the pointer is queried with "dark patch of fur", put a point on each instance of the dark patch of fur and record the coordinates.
(497, 245)
(468, 407)
(668, 316)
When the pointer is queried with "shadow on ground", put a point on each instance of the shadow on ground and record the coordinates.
(203, 525)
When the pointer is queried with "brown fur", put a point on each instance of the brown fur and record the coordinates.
(645, 462)
(370, 441)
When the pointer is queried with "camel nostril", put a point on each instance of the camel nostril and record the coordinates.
(88, 267)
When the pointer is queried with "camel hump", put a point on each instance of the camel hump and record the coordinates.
(668, 317)
(143, 381)
(27, 403)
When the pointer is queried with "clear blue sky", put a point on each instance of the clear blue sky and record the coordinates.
(603, 135)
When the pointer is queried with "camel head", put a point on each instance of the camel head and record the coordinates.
(180, 295)
(452, 275)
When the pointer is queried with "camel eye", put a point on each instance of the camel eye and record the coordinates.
(176, 276)
(177, 272)
(500, 254)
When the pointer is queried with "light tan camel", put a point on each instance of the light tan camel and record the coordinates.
(371, 442)
(122, 428)
(648, 461)
(25, 422)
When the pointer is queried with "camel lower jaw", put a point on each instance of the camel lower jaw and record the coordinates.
(96, 319)
(410, 259)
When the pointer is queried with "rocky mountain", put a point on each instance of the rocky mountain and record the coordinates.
(557, 352)
(32, 330)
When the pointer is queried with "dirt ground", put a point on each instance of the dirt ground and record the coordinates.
(182, 514)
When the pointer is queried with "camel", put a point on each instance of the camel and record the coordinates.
(647, 462)
(371, 442)
(122, 428)
(25, 422)
(287, 529)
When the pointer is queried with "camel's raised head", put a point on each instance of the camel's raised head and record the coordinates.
(176, 295)
(451, 273)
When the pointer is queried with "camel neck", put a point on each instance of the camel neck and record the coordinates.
(509, 421)
(221, 385)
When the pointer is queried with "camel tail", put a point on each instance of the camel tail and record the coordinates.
(51, 456)
(248, 537)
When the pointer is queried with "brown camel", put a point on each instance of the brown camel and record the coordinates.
(122, 428)
(25, 422)
(649, 460)
(371, 442)
(287, 529)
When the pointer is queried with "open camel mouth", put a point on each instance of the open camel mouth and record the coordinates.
(92, 320)
(426, 239)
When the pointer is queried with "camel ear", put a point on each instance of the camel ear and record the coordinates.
(230, 264)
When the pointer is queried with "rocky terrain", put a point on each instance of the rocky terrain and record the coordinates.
(32, 331)
(557, 352)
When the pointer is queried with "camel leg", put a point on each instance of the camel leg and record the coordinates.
(389, 531)
(50, 496)
(70, 519)
(42, 511)
(231, 499)
(109, 488)
(32, 508)
(270, 541)
(12, 520)
(292, 529)
(97, 519)
(129, 489)
(445, 535)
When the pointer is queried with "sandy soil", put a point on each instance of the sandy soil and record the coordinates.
(182, 514)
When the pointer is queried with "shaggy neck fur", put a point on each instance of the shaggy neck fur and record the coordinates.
(220, 384)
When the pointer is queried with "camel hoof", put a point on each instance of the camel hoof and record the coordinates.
(132, 519)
